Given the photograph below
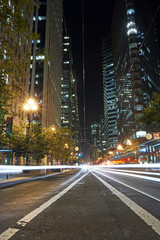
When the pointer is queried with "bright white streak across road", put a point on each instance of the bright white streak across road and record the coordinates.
(133, 175)
(18, 169)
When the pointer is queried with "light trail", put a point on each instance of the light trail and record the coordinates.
(132, 175)
(145, 165)
(139, 172)
(18, 168)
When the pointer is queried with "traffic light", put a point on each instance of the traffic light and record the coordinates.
(80, 154)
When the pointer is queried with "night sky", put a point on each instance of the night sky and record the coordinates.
(97, 24)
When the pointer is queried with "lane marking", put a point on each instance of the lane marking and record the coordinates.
(148, 218)
(157, 199)
(23, 221)
(8, 233)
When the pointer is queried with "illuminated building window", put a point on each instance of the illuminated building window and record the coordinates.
(132, 31)
(4, 55)
(40, 18)
(130, 11)
(139, 107)
(131, 24)
(41, 57)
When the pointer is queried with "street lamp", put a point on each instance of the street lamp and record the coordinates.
(30, 107)
(119, 147)
(53, 129)
(128, 142)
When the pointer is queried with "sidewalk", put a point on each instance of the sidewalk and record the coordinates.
(23, 177)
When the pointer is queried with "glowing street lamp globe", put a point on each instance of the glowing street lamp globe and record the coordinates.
(30, 105)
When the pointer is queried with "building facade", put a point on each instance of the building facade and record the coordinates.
(109, 95)
(46, 59)
(136, 64)
(69, 99)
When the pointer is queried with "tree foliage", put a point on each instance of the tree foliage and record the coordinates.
(59, 143)
(152, 111)
(15, 34)
(38, 144)
(18, 140)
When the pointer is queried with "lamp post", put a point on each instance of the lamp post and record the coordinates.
(30, 107)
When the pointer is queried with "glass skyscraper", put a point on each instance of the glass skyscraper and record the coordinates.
(136, 64)
(109, 95)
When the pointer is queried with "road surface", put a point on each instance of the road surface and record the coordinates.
(81, 204)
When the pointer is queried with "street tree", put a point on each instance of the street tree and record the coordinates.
(59, 143)
(152, 112)
(36, 143)
(15, 36)
(18, 140)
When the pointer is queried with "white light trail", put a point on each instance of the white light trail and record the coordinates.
(131, 175)
(18, 168)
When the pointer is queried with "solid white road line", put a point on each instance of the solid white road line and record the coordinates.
(146, 194)
(22, 222)
(148, 218)
(8, 233)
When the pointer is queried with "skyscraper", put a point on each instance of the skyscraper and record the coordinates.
(136, 62)
(109, 95)
(69, 99)
(46, 67)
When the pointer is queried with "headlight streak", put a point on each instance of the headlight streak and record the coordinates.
(4, 169)
(19, 169)
(146, 194)
(132, 175)
(145, 165)
(145, 173)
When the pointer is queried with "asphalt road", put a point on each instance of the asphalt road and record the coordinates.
(79, 205)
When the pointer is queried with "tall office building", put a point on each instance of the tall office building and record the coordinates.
(136, 63)
(109, 95)
(96, 141)
(46, 65)
(15, 44)
(69, 99)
